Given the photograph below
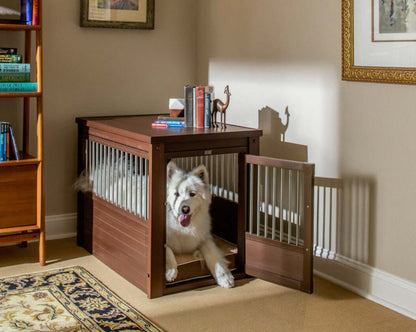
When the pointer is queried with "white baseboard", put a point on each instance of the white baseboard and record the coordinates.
(376, 285)
(61, 226)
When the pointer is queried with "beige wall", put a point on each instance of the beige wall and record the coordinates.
(272, 53)
(288, 53)
(92, 71)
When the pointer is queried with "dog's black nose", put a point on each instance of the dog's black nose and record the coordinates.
(185, 209)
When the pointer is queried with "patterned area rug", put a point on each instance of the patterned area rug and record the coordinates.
(68, 299)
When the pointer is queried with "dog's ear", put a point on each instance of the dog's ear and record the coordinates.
(171, 169)
(202, 173)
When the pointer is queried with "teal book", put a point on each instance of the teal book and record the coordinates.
(19, 87)
(14, 67)
(14, 77)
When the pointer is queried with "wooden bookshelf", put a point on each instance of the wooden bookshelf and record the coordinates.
(22, 216)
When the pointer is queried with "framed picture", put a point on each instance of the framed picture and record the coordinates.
(379, 41)
(123, 14)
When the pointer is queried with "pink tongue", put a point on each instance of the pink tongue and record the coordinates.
(185, 220)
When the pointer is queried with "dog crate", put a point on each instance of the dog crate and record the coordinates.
(261, 207)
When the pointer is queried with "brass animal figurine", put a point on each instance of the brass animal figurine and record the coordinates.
(219, 106)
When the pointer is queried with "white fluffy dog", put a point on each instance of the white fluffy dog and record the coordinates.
(188, 223)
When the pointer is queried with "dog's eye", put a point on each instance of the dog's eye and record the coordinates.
(177, 194)
(192, 194)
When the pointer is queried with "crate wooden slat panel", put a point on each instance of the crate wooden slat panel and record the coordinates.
(133, 274)
(120, 241)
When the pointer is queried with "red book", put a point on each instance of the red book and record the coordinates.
(35, 13)
(200, 106)
(159, 125)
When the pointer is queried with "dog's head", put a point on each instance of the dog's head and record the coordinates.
(187, 193)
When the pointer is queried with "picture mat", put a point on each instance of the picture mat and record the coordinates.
(369, 53)
(117, 15)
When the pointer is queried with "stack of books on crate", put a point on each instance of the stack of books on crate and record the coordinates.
(19, 11)
(197, 109)
(8, 147)
(14, 75)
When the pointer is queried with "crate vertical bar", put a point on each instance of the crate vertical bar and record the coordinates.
(157, 216)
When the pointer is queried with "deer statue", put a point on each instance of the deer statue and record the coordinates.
(219, 106)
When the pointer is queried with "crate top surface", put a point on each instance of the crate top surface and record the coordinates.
(139, 127)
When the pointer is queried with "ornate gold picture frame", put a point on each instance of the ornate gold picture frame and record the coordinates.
(385, 62)
(123, 14)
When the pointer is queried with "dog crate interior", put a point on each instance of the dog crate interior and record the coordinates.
(120, 187)
(223, 183)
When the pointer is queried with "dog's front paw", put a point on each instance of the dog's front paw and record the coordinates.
(171, 274)
(224, 277)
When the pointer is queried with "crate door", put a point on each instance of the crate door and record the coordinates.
(279, 221)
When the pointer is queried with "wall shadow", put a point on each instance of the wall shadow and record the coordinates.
(344, 218)
(273, 142)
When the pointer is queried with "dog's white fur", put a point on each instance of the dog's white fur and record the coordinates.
(188, 195)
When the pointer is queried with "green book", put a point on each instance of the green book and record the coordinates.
(11, 58)
(15, 77)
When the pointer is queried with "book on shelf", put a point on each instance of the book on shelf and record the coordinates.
(168, 125)
(198, 106)
(14, 77)
(14, 148)
(189, 108)
(8, 50)
(8, 146)
(26, 11)
(3, 140)
(18, 87)
(14, 68)
(170, 118)
(171, 122)
(199, 109)
(207, 107)
(35, 12)
(10, 58)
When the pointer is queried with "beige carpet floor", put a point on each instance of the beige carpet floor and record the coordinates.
(253, 305)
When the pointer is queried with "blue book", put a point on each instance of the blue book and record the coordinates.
(26, 10)
(174, 125)
(14, 145)
(11, 68)
(207, 110)
(170, 122)
(2, 143)
(19, 87)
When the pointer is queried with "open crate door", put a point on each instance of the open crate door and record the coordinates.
(279, 221)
